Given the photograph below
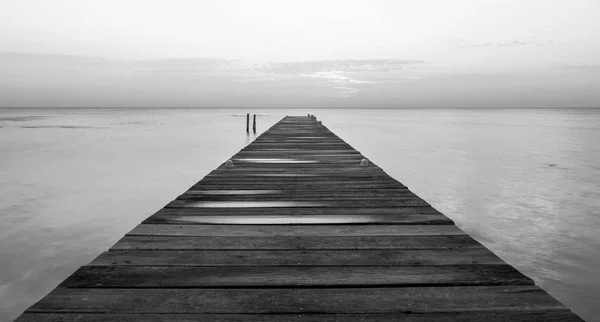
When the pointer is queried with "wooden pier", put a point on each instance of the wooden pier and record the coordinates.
(298, 229)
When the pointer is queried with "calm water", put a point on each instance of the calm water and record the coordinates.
(525, 183)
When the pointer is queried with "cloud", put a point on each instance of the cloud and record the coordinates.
(336, 77)
(340, 83)
(503, 44)
(348, 65)
(56, 80)
(339, 92)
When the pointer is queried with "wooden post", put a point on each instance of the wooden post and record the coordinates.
(254, 124)
(247, 122)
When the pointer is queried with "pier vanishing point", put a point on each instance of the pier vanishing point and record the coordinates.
(300, 227)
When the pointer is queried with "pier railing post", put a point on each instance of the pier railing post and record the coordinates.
(254, 124)
(247, 122)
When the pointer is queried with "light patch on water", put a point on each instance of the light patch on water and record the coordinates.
(233, 192)
(258, 160)
(253, 204)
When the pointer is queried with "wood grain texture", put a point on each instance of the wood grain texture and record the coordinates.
(298, 300)
(326, 186)
(464, 256)
(258, 211)
(359, 203)
(305, 230)
(563, 315)
(293, 242)
(271, 277)
(295, 195)
(293, 219)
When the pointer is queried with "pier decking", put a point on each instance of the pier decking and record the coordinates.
(298, 230)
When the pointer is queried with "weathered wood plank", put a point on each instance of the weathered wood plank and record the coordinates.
(282, 162)
(360, 203)
(284, 276)
(248, 219)
(563, 315)
(408, 197)
(304, 230)
(296, 190)
(398, 211)
(322, 175)
(461, 256)
(298, 300)
(237, 185)
(293, 242)
(306, 179)
(300, 151)
(305, 194)
(195, 197)
(310, 165)
(297, 180)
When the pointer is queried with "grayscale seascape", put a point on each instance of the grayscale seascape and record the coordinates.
(268, 160)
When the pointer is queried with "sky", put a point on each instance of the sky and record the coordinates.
(273, 53)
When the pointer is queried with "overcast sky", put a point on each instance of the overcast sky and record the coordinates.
(427, 53)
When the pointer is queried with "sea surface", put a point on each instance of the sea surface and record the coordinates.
(524, 183)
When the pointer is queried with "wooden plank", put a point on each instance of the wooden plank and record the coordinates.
(353, 169)
(360, 203)
(295, 190)
(310, 165)
(304, 161)
(325, 173)
(302, 181)
(290, 184)
(341, 215)
(256, 146)
(461, 256)
(233, 185)
(284, 276)
(298, 300)
(195, 197)
(298, 219)
(306, 177)
(304, 230)
(398, 211)
(299, 196)
(307, 193)
(293, 242)
(563, 315)
(299, 153)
